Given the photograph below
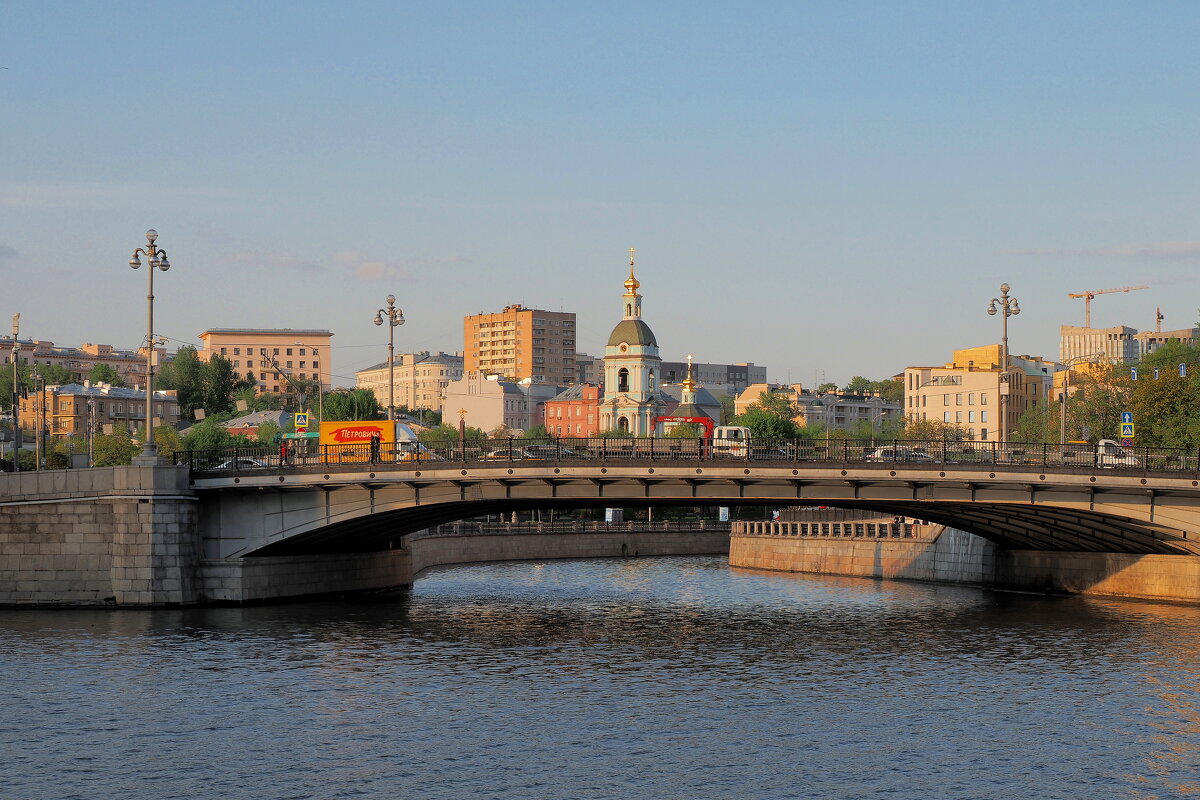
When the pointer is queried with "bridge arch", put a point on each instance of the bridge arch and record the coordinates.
(314, 511)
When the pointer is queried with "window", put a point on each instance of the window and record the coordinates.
(970, 416)
(958, 416)
(983, 434)
(651, 380)
(945, 399)
(222, 351)
(623, 385)
(275, 352)
(971, 399)
(946, 417)
(983, 398)
(983, 416)
(302, 349)
(289, 351)
(958, 399)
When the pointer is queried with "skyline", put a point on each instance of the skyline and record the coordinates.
(803, 185)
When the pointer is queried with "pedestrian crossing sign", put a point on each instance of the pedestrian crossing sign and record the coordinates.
(1126, 430)
(301, 420)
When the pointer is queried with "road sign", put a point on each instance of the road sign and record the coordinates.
(301, 430)
(1126, 416)
(1133, 373)
(1126, 430)
(301, 419)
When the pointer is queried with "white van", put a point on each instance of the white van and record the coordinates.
(730, 441)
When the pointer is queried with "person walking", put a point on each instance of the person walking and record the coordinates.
(376, 440)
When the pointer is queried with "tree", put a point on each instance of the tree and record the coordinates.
(25, 379)
(354, 404)
(1036, 425)
(932, 430)
(103, 373)
(447, 435)
(829, 386)
(268, 432)
(859, 385)
(53, 374)
(167, 440)
(765, 424)
(185, 374)
(685, 430)
(208, 435)
(536, 432)
(219, 383)
(115, 449)
(728, 408)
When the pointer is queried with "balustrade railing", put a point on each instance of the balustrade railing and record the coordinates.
(477, 528)
(564, 452)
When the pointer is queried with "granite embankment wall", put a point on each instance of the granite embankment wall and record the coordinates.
(111, 535)
(432, 549)
(952, 556)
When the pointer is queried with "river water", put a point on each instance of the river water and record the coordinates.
(651, 678)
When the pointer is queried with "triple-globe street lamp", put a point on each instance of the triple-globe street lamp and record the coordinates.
(394, 317)
(1007, 307)
(156, 258)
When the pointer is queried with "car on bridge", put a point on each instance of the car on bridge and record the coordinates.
(241, 463)
(532, 452)
(900, 453)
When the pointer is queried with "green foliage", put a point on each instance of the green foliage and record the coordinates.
(268, 432)
(167, 440)
(537, 432)
(211, 385)
(686, 430)
(728, 408)
(828, 386)
(888, 389)
(115, 449)
(1037, 424)
(6, 383)
(103, 373)
(208, 435)
(765, 424)
(356, 404)
(447, 435)
(54, 374)
(932, 430)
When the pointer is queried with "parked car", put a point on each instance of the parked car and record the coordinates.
(241, 463)
(532, 452)
(901, 453)
(415, 451)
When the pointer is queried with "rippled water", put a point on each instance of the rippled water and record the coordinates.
(653, 678)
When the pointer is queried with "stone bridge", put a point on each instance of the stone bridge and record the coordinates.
(371, 507)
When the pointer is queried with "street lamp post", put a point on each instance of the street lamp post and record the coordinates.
(155, 259)
(395, 317)
(16, 395)
(1008, 307)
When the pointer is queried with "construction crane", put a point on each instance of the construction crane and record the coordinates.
(1088, 294)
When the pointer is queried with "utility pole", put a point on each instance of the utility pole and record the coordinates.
(16, 396)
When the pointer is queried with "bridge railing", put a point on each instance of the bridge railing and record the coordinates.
(568, 451)
(478, 528)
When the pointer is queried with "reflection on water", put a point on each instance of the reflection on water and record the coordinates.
(662, 678)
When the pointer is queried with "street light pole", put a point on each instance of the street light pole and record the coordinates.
(1008, 307)
(155, 259)
(16, 396)
(394, 317)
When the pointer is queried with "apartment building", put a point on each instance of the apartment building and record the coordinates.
(719, 379)
(519, 343)
(270, 353)
(491, 402)
(1115, 345)
(419, 379)
(130, 365)
(837, 410)
(67, 409)
(972, 390)
(1149, 341)
(574, 412)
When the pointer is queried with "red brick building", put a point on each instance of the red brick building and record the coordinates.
(574, 412)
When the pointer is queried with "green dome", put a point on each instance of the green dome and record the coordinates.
(632, 331)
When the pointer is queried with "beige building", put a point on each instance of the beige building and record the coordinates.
(491, 402)
(67, 409)
(519, 343)
(1117, 344)
(130, 365)
(970, 391)
(419, 379)
(837, 410)
(301, 353)
(1149, 341)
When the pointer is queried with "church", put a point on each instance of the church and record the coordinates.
(632, 370)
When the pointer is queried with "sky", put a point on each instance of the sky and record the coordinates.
(827, 189)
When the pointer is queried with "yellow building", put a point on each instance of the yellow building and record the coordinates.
(519, 343)
(420, 379)
(300, 353)
(971, 390)
(67, 410)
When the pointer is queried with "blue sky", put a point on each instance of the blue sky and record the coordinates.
(831, 189)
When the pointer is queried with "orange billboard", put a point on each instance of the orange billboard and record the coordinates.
(357, 435)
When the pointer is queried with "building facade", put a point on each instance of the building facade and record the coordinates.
(574, 412)
(420, 379)
(589, 369)
(632, 370)
(1115, 345)
(66, 410)
(519, 343)
(1149, 341)
(835, 410)
(130, 365)
(490, 402)
(718, 379)
(970, 391)
(271, 353)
